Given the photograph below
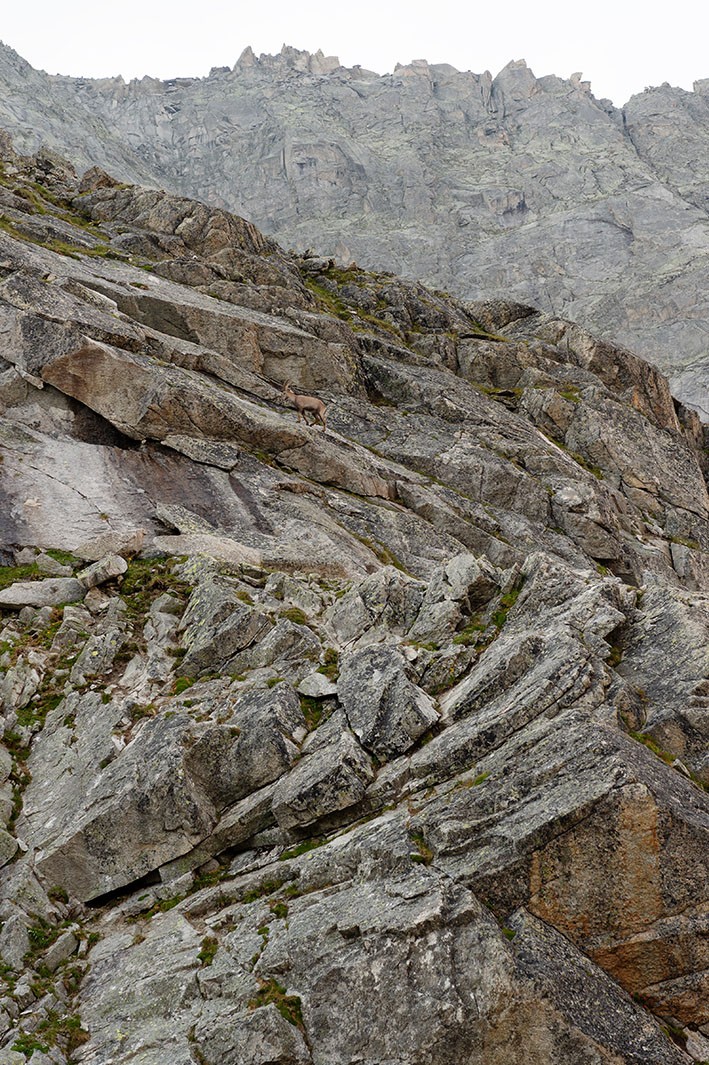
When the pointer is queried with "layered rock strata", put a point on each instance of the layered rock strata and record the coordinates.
(517, 183)
(380, 743)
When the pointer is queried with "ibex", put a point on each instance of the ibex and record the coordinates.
(307, 403)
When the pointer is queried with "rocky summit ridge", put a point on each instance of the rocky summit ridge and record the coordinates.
(385, 743)
(475, 184)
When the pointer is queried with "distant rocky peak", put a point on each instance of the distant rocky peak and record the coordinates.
(524, 183)
(290, 58)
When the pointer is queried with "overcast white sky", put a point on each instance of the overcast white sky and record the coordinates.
(620, 47)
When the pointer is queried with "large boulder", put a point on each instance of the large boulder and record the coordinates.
(256, 746)
(386, 711)
(330, 777)
(49, 592)
(145, 809)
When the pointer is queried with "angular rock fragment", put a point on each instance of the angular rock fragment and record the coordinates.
(256, 747)
(217, 626)
(385, 710)
(325, 781)
(383, 604)
(285, 647)
(19, 683)
(8, 847)
(317, 686)
(144, 810)
(455, 591)
(111, 543)
(211, 452)
(105, 569)
(51, 567)
(14, 940)
(260, 1036)
(237, 824)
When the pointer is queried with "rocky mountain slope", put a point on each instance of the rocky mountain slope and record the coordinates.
(384, 743)
(470, 183)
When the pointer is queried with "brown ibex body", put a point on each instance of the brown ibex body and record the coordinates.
(309, 404)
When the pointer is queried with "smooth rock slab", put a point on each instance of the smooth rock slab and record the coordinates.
(50, 592)
(285, 647)
(413, 970)
(139, 1000)
(143, 810)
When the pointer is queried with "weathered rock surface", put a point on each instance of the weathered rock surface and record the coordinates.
(386, 712)
(386, 743)
(104, 569)
(147, 793)
(514, 184)
(328, 779)
(49, 592)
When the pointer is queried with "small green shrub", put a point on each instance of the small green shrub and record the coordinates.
(11, 574)
(182, 684)
(210, 946)
(652, 745)
(423, 854)
(64, 1031)
(570, 392)
(267, 887)
(301, 848)
(42, 935)
(27, 1044)
(330, 666)
(471, 634)
(289, 1006)
(314, 711)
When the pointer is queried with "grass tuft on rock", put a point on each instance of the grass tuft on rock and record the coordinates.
(289, 1006)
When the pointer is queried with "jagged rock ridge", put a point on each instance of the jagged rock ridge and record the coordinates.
(474, 184)
(380, 743)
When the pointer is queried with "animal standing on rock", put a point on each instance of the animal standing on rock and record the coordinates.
(306, 403)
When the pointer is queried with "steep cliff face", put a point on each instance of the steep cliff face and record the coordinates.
(474, 184)
(379, 743)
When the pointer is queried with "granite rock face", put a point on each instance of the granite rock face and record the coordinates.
(384, 743)
(518, 184)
